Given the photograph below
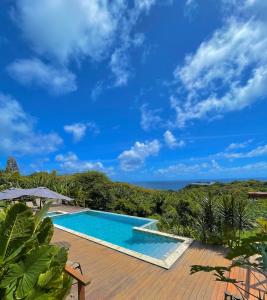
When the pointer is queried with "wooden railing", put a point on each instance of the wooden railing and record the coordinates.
(82, 280)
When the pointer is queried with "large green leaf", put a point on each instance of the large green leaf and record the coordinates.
(60, 257)
(26, 272)
(51, 274)
(2, 215)
(40, 294)
(38, 217)
(15, 271)
(35, 264)
(45, 231)
(16, 229)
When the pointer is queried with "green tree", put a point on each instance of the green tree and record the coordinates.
(207, 219)
(94, 189)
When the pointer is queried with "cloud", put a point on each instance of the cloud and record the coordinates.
(69, 30)
(97, 90)
(64, 32)
(18, 133)
(78, 130)
(181, 169)
(234, 146)
(258, 151)
(134, 158)
(190, 8)
(120, 67)
(210, 169)
(144, 5)
(34, 72)
(120, 60)
(70, 162)
(171, 141)
(228, 72)
(149, 118)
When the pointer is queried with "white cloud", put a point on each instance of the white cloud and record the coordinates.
(78, 130)
(144, 4)
(234, 146)
(149, 118)
(249, 7)
(120, 67)
(17, 131)
(171, 141)
(120, 60)
(181, 169)
(70, 162)
(211, 169)
(258, 151)
(97, 90)
(65, 31)
(134, 158)
(72, 29)
(228, 72)
(190, 8)
(34, 71)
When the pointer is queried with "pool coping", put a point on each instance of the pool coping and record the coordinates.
(164, 263)
(58, 211)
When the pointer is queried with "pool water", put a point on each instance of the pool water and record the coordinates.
(118, 229)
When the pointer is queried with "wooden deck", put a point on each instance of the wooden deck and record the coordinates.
(118, 276)
(251, 286)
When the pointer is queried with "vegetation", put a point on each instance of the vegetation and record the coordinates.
(30, 267)
(212, 213)
(249, 252)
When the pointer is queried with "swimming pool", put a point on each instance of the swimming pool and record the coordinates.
(127, 234)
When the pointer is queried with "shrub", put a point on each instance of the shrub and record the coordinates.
(30, 267)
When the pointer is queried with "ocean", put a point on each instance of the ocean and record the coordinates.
(176, 185)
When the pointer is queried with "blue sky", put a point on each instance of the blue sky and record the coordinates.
(141, 90)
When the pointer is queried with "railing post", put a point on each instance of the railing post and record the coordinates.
(81, 291)
(82, 281)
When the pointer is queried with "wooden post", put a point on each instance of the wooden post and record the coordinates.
(81, 291)
(82, 281)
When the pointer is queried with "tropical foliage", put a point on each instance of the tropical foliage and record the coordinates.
(209, 213)
(30, 267)
(249, 252)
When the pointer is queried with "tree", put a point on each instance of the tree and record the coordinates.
(207, 219)
(12, 165)
(94, 189)
(30, 267)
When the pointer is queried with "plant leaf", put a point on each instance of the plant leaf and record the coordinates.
(38, 217)
(35, 263)
(16, 229)
(45, 231)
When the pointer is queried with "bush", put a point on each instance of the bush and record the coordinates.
(30, 267)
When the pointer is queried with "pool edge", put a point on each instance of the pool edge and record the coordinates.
(166, 263)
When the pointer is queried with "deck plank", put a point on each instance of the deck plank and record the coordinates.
(118, 276)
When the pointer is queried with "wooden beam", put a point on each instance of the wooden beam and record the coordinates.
(82, 281)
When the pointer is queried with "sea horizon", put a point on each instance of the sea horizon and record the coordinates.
(180, 184)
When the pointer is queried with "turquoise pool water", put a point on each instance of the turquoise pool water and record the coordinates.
(118, 230)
